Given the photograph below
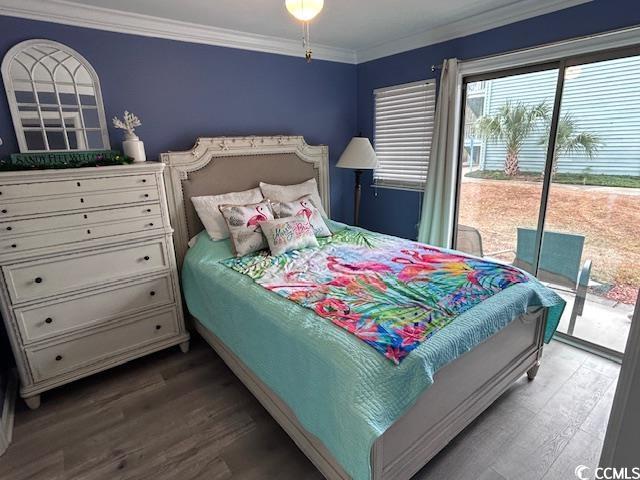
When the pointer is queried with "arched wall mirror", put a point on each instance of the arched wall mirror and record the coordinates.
(55, 99)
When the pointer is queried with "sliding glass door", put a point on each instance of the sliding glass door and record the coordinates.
(502, 163)
(550, 182)
(592, 224)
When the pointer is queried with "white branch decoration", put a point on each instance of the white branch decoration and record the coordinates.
(129, 124)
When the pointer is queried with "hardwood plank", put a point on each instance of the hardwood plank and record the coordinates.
(271, 453)
(602, 366)
(583, 449)
(540, 443)
(161, 428)
(596, 422)
(33, 467)
(490, 474)
(172, 415)
(556, 369)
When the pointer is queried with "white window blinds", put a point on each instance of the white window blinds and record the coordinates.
(403, 123)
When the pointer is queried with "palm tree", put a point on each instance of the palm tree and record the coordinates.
(512, 124)
(570, 141)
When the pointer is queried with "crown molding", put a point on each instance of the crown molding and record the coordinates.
(478, 23)
(75, 14)
(69, 13)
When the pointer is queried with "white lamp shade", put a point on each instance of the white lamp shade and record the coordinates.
(359, 155)
(304, 10)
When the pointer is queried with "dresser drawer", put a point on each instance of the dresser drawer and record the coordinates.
(43, 278)
(90, 232)
(92, 308)
(56, 359)
(54, 222)
(81, 185)
(76, 202)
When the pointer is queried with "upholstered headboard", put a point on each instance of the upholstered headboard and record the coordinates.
(231, 164)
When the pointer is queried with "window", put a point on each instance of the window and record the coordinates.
(403, 129)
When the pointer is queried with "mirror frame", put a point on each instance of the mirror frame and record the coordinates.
(7, 62)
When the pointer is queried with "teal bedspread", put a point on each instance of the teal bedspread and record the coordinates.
(340, 389)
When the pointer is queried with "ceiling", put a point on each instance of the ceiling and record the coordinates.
(366, 28)
(342, 23)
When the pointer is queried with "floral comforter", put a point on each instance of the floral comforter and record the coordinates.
(392, 294)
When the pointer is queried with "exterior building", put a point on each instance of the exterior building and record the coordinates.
(606, 106)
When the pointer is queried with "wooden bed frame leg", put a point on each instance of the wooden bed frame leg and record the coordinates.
(184, 346)
(533, 371)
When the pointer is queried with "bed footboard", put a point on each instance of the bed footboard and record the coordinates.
(462, 390)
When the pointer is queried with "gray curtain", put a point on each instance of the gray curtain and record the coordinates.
(436, 221)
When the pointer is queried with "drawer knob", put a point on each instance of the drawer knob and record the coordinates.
(9, 228)
(82, 200)
(58, 358)
(38, 280)
(4, 210)
(146, 195)
(144, 180)
(151, 224)
(13, 245)
(78, 183)
(152, 293)
(148, 210)
(147, 257)
(89, 232)
(85, 216)
(158, 327)
(48, 320)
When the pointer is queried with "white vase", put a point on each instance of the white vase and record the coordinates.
(133, 147)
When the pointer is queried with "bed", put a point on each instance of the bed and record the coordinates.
(354, 414)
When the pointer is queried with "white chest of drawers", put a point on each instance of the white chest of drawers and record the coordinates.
(89, 277)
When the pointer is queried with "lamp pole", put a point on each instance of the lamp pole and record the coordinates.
(356, 199)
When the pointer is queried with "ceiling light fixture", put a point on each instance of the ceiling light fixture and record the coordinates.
(305, 11)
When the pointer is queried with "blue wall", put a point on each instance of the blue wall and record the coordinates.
(182, 91)
(397, 212)
(222, 91)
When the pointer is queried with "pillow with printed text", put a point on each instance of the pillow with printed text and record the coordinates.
(290, 233)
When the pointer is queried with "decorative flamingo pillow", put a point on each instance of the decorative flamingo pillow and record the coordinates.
(290, 233)
(304, 206)
(244, 225)
(208, 210)
(288, 193)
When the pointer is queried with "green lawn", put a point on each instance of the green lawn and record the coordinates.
(568, 178)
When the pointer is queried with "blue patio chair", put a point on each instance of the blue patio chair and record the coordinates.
(559, 264)
(559, 261)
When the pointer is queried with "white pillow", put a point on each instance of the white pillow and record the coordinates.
(208, 210)
(289, 193)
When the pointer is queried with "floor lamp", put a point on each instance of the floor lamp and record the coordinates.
(359, 155)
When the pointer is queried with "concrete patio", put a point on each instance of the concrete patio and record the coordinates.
(603, 322)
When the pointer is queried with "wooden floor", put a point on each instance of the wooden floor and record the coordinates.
(176, 416)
